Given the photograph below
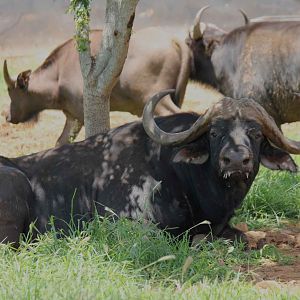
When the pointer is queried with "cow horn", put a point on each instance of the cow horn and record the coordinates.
(167, 138)
(9, 82)
(273, 133)
(196, 29)
(246, 19)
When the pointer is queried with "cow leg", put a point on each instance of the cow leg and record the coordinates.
(15, 197)
(70, 131)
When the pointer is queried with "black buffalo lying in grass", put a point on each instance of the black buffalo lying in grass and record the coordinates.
(191, 169)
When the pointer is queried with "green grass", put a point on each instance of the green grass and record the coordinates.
(129, 260)
(273, 198)
(132, 260)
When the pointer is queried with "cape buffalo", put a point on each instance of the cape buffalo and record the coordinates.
(16, 200)
(186, 169)
(277, 18)
(158, 58)
(259, 60)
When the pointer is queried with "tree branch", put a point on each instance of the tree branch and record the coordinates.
(81, 10)
(116, 35)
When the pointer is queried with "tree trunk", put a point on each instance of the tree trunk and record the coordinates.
(101, 73)
(96, 108)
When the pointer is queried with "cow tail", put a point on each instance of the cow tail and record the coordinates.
(184, 72)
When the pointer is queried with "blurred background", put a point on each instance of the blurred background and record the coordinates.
(30, 24)
(31, 29)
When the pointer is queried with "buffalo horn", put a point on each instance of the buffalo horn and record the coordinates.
(9, 82)
(196, 30)
(246, 19)
(167, 138)
(273, 133)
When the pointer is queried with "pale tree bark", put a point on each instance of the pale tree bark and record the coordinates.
(101, 73)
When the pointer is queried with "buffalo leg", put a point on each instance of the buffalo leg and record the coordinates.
(233, 234)
(15, 197)
(70, 131)
(221, 231)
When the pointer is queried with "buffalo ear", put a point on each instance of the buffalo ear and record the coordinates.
(276, 159)
(191, 154)
(23, 79)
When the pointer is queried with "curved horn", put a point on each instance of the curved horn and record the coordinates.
(246, 19)
(9, 82)
(273, 133)
(196, 30)
(167, 138)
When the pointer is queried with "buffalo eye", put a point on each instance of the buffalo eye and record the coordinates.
(213, 133)
(255, 133)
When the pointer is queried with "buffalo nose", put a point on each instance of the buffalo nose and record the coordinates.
(235, 159)
(8, 118)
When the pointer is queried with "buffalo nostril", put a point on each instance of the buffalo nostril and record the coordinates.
(246, 161)
(226, 160)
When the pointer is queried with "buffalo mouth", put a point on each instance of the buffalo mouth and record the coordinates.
(30, 119)
(236, 175)
(10, 120)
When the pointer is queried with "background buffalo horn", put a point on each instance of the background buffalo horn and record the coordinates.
(167, 138)
(9, 82)
(273, 133)
(196, 32)
(247, 21)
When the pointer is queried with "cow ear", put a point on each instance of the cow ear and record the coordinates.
(23, 79)
(276, 159)
(191, 154)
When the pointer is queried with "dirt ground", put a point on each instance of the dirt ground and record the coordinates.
(16, 140)
(270, 273)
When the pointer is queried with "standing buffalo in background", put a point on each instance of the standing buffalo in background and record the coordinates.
(158, 58)
(277, 18)
(260, 60)
(192, 168)
(57, 84)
